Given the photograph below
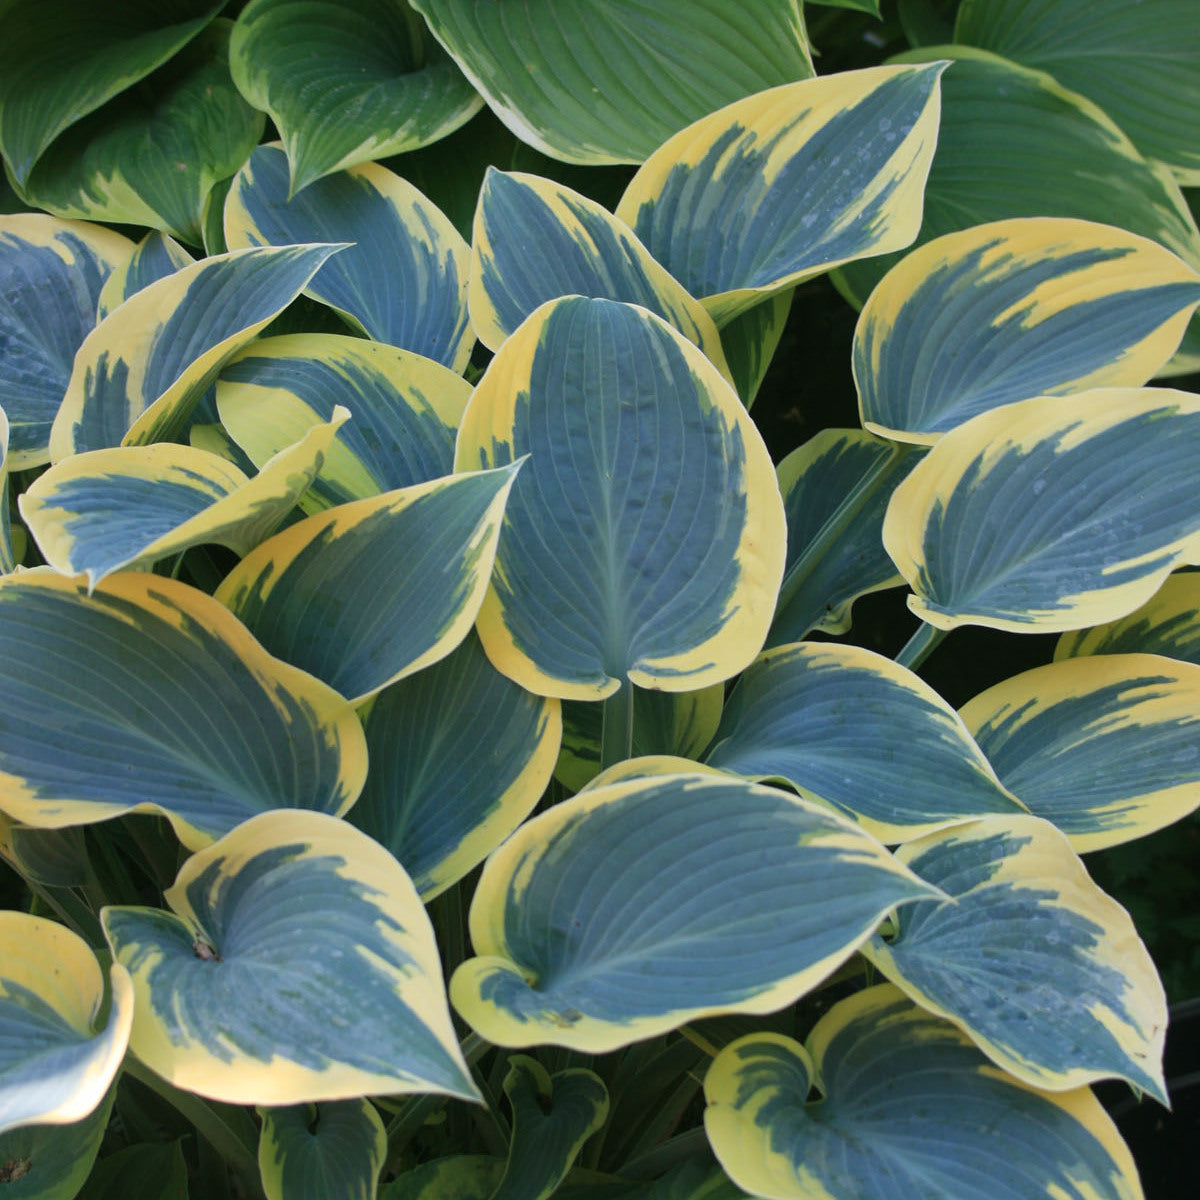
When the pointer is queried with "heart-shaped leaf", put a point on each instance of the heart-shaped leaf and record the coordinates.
(290, 896)
(330, 1151)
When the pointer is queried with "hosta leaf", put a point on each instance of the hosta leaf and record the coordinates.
(406, 411)
(1168, 623)
(1042, 970)
(55, 1068)
(60, 60)
(52, 273)
(8, 556)
(1089, 504)
(679, 724)
(789, 183)
(369, 592)
(52, 857)
(1141, 64)
(157, 255)
(148, 696)
(750, 340)
(51, 1162)
(1041, 306)
(1107, 747)
(97, 512)
(908, 1107)
(149, 1170)
(459, 757)
(152, 155)
(141, 371)
(290, 896)
(644, 538)
(602, 82)
(404, 281)
(649, 766)
(346, 81)
(536, 240)
(1014, 143)
(553, 1115)
(460, 1177)
(331, 1151)
(683, 920)
(836, 489)
(860, 733)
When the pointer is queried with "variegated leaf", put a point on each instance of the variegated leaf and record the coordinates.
(329, 1151)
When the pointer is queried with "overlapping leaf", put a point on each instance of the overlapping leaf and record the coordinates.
(1139, 63)
(860, 733)
(346, 81)
(679, 724)
(157, 255)
(403, 282)
(1014, 143)
(1042, 970)
(536, 240)
(55, 1067)
(406, 411)
(750, 339)
(149, 696)
(370, 592)
(330, 1151)
(61, 60)
(1107, 747)
(98, 512)
(1013, 309)
(645, 537)
(297, 965)
(459, 757)
(836, 488)
(908, 1107)
(8, 556)
(789, 183)
(51, 1162)
(607, 82)
(1051, 514)
(682, 921)
(52, 273)
(151, 157)
(1168, 623)
(140, 372)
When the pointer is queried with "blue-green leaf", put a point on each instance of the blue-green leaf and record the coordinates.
(861, 734)
(157, 255)
(403, 282)
(908, 1107)
(330, 1151)
(297, 965)
(51, 1162)
(1043, 971)
(683, 920)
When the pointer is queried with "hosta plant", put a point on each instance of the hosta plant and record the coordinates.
(434, 747)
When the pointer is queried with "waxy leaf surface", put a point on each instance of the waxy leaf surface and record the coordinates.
(1050, 514)
(860, 733)
(156, 256)
(603, 81)
(1042, 970)
(369, 592)
(329, 1151)
(97, 512)
(404, 281)
(788, 183)
(1107, 747)
(346, 81)
(909, 1107)
(1035, 306)
(55, 1068)
(1140, 63)
(148, 696)
(52, 273)
(633, 909)
(459, 756)
(836, 489)
(645, 536)
(61, 60)
(406, 411)
(141, 371)
(297, 965)
(536, 240)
